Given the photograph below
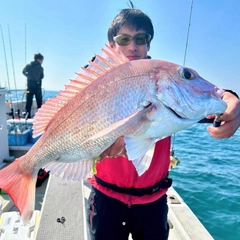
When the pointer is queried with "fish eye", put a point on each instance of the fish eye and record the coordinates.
(187, 74)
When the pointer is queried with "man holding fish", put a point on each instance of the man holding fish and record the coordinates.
(122, 202)
(118, 110)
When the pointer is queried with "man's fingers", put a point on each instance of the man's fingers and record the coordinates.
(116, 149)
(226, 130)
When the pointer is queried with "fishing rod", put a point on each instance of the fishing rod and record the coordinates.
(174, 160)
(217, 121)
(14, 77)
(25, 91)
(25, 43)
(4, 50)
(188, 31)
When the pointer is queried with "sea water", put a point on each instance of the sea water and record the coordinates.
(19, 95)
(207, 179)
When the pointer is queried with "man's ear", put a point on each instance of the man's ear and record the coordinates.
(148, 46)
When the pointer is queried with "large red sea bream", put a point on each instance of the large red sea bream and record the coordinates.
(144, 101)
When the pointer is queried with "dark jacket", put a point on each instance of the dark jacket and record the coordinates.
(33, 71)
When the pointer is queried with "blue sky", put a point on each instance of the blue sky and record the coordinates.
(68, 33)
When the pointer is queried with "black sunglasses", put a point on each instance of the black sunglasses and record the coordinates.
(139, 39)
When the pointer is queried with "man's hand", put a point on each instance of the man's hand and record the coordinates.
(230, 118)
(116, 149)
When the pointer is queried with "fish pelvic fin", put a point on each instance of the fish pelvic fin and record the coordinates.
(21, 188)
(140, 152)
(75, 171)
(109, 60)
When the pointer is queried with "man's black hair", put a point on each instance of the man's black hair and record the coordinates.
(38, 56)
(133, 18)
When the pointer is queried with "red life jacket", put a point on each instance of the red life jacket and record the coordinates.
(121, 171)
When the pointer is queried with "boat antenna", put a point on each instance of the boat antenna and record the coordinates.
(10, 97)
(14, 77)
(184, 61)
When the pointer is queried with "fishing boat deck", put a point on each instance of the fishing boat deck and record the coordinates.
(63, 212)
(68, 199)
(60, 199)
(62, 206)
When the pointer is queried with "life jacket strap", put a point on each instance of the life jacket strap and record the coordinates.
(163, 184)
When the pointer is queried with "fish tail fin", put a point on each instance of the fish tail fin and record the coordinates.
(20, 187)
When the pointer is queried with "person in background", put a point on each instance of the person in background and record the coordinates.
(34, 73)
(121, 202)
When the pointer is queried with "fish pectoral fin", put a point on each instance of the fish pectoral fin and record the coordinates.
(75, 171)
(135, 119)
(140, 152)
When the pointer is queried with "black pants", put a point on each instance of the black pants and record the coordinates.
(110, 219)
(33, 88)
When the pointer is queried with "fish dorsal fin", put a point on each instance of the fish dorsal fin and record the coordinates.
(109, 60)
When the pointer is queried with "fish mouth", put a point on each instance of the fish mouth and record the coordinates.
(181, 115)
(175, 113)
